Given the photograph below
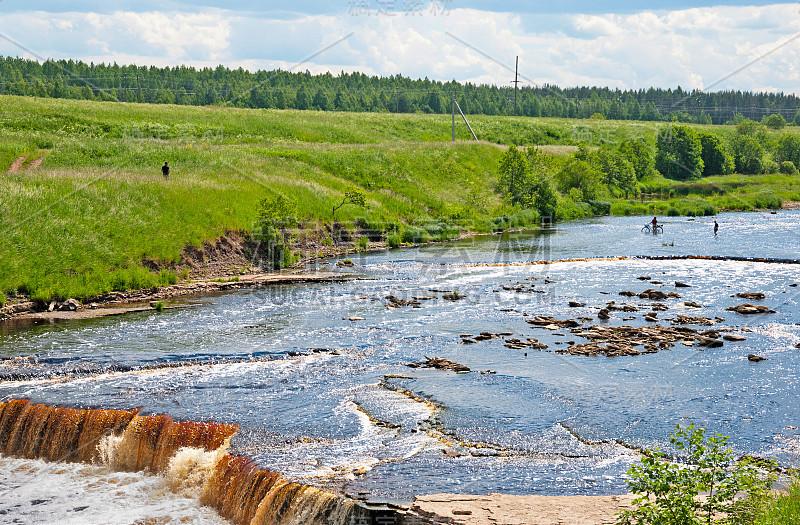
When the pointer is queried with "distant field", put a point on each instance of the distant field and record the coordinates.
(80, 223)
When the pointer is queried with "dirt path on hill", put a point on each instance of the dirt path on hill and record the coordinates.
(17, 164)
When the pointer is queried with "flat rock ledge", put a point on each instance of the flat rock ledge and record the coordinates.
(492, 509)
(622, 340)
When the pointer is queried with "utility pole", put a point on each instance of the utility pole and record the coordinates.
(454, 115)
(465, 119)
(516, 81)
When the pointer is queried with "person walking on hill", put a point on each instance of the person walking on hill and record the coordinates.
(165, 170)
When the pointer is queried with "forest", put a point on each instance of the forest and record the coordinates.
(357, 92)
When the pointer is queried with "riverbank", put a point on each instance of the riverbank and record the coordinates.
(117, 303)
(458, 509)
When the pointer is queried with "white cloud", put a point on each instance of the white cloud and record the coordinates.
(693, 48)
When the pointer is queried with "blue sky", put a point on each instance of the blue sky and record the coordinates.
(617, 44)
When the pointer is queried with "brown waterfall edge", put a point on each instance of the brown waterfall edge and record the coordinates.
(236, 488)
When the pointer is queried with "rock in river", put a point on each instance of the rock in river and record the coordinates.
(546, 320)
(395, 302)
(657, 295)
(734, 337)
(441, 364)
(748, 309)
(709, 342)
(752, 296)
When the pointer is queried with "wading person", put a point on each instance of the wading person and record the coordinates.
(165, 170)
(655, 224)
(716, 228)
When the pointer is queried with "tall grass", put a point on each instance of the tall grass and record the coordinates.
(783, 510)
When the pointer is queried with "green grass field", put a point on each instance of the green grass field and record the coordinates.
(81, 223)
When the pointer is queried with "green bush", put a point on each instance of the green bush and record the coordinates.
(276, 213)
(159, 306)
(2, 299)
(673, 212)
(767, 200)
(708, 209)
(600, 207)
(167, 278)
(667, 492)
(394, 240)
(569, 209)
(414, 235)
(362, 244)
(770, 166)
(729, 202)
(774, 121)
(788, 168)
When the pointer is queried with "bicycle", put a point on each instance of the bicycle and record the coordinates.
(647, 229)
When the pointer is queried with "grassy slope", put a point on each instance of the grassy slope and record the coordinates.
(81, 223)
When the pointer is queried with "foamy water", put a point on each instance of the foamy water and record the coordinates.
(36, 491)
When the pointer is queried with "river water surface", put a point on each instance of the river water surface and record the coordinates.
(331, 401)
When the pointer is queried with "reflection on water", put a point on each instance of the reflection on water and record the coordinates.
(330, 401)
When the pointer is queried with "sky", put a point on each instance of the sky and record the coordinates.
(741, 45)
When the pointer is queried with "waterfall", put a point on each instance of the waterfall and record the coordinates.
(191, 455)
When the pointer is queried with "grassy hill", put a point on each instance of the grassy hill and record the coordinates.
(82, 222)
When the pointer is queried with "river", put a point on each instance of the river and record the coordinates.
(331, 402)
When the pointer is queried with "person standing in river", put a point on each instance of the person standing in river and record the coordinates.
(716, 227)
(165, 170)
(655, 225)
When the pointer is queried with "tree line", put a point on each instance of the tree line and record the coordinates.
(279, 89)
(591, 177)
